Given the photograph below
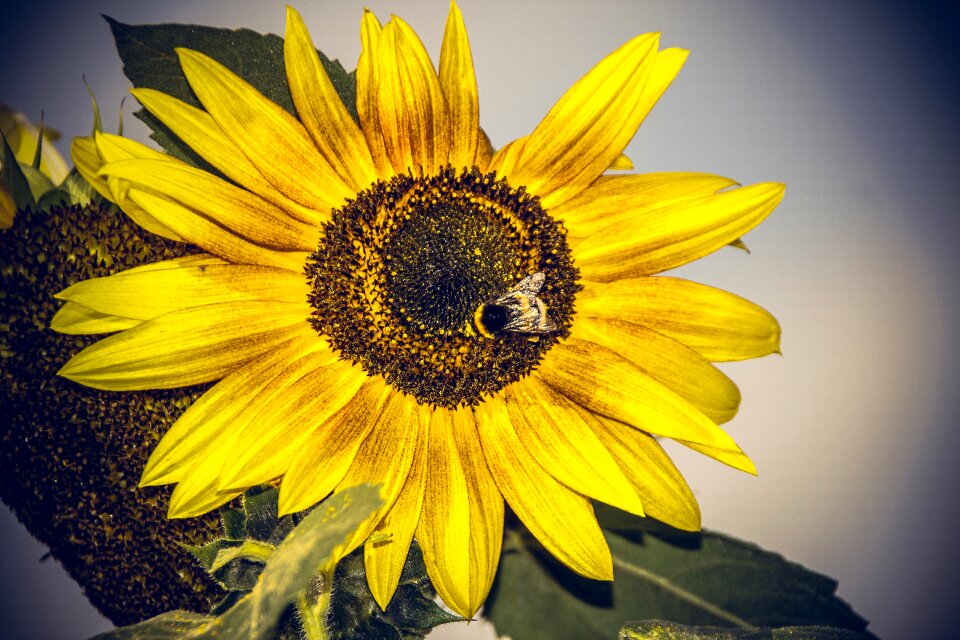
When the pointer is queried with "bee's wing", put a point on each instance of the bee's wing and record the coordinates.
(531, 284)
(528, 287)
(528, 314)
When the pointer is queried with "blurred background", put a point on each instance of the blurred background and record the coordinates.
(853, 105)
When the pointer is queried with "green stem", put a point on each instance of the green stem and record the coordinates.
(313, 614)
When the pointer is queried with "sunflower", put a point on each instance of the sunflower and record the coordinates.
(388, 300)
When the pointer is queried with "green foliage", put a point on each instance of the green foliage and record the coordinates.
(660, 574)
(659, 630)
(172, 625)
(149, 61)
(263, 571)
(12, 179)
(288, 571)
(411, 614)
(32, 189)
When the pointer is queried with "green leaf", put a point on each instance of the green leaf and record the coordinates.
(290, 569)
(234, 523)
(207, 554)
(696, 579)
(172, 625)
(293, 565)
(56, 197)
(252, 550)
(78, 190)
(412, 612)
(260, 512)
(147, 53)
(659, 630)
(238, 568)
(38, 182)
(38, 154)
(13, 180)
(97, 120)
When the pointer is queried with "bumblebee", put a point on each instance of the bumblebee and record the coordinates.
(517, 311)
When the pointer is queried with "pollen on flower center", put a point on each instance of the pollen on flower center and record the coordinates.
(401, 270)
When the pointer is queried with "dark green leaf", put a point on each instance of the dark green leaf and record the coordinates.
(697, 579)
(172, 625)
(412, 612)
(234, 523)
(147, 53)
(659, 630)
(13, 180)
(260, 512)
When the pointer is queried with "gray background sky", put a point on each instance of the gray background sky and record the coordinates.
(854, 430)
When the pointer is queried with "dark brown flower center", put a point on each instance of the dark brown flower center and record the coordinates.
(400, 272)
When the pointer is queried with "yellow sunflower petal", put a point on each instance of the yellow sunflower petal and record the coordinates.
(77, 319)
(185, 283)
(198, 488)
(385, 558)
(111, 148)
(561, 519)
(484, 152)
(444, 528)
(608, 384)
(285, 415)
(114, 148)
(486, 510)
(718, 325)
(196, 128)
(459, 82)
(384, 459)
(410, 103)
(504, 161)
(665, 238)
(461, 526)
(589, 126)
(87, 160)
(273, 140)
(236, 209)
(257, 417)
(200, 431)
(211, 237)
(621, 163)
(322, 112)
(614, 198)
(736, 459)
(666, 495)
(674, 365)
(186, 347)
(557, 436)
(329, 451)
(194, 496)
(368, 86)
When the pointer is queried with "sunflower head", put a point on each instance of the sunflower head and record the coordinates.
(402, 270)
(386, 299)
